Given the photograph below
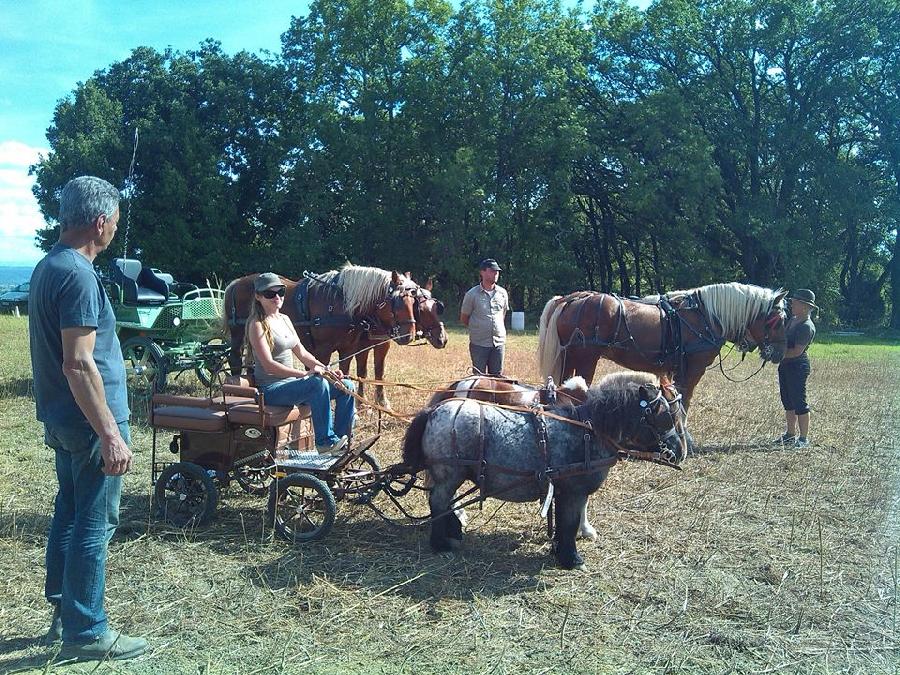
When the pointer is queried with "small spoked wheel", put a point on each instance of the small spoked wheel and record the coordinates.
(185, 495)
(145, 367)
(215, 362)
(358, 481)
(255, 477)
(301, 508)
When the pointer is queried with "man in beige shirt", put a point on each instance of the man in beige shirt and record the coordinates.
(483, 311)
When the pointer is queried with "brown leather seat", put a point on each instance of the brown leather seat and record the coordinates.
(273, 415)
(188, 417)
(248, 412)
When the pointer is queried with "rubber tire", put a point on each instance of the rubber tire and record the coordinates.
(196, 475)
(281, 487)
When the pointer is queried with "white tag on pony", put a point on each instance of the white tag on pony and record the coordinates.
(545, 508)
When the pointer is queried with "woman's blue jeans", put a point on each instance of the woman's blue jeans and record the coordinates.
(85, 517)
(317, 393)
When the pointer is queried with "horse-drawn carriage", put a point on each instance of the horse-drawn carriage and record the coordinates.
(165, 327)
(517, 454)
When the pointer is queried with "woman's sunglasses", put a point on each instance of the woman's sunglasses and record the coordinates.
(272, 293)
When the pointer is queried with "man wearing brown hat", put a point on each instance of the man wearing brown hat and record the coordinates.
(483, 310)
(793, 371)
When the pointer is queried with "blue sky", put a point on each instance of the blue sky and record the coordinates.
(48, 46)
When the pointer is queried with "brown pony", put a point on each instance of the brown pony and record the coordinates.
(343, 311)
(506, 391)
(677, 334)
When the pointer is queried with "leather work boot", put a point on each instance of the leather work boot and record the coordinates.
(111, 645)
(54, 634)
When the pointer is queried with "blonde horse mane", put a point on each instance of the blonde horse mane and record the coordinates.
(734, 306)
(363, 287)
(549, 363)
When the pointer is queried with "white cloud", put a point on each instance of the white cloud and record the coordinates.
(20, 216)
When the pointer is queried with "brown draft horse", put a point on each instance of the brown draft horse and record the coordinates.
(574, 391)
(349, 311)
(677, 334)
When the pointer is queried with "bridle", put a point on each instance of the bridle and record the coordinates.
(395, 298)
(421, 300)
(746, 344)
(674, 409)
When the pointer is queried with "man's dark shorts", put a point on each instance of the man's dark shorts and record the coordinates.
(792, 376)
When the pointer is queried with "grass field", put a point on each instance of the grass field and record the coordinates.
(751, 559)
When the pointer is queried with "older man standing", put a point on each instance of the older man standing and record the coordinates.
(483, 311)
(80, 396)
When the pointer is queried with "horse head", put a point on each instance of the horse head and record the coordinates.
(395, 315)
(663, 420)
(428, 311)
(767, 331)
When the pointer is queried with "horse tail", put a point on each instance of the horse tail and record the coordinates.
(413, 454)
(226, 300)
(548, 351)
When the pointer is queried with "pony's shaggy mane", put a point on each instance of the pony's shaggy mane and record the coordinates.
(734, 306)
(363, 288)
(613, 404)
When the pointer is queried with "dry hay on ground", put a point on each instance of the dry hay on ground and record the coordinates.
(752, 559)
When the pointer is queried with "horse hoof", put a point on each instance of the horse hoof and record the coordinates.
(588, 532)
(455, 544)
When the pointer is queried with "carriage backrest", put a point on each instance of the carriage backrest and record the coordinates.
(140, 284)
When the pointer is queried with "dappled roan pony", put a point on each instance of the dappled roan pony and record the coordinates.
(573, 391)
(501, 451)
(341, 311)
(678, 334)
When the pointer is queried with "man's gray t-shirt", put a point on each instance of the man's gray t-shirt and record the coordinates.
(800, 333)
(486, 310)
(67, 293)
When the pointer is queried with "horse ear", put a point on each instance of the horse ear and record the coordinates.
(779, 298)
(395, 279)
(429, 284)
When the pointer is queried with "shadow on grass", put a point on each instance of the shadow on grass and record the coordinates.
(38, 657)
(17, 387)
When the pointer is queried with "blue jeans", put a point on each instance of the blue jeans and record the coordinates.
(85, 517)
(317, 393)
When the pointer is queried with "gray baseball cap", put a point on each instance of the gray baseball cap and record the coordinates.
(267, 280)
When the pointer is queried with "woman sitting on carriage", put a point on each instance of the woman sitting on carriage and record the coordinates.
(271, 342)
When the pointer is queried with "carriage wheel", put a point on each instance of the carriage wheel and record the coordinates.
(208, 370)
(301, 507)
(145, 367)
(255, 477)
(185, 495)
(359, 479)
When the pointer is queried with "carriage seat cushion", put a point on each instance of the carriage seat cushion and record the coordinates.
(188, 417)
(140, 285)
(160, 400)
(240, 390)
(275, 415)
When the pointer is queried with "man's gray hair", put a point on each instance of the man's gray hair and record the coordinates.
(83, 199)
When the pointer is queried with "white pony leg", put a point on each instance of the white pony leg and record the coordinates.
(585, 529)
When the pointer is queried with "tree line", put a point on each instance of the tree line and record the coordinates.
(612, 148)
